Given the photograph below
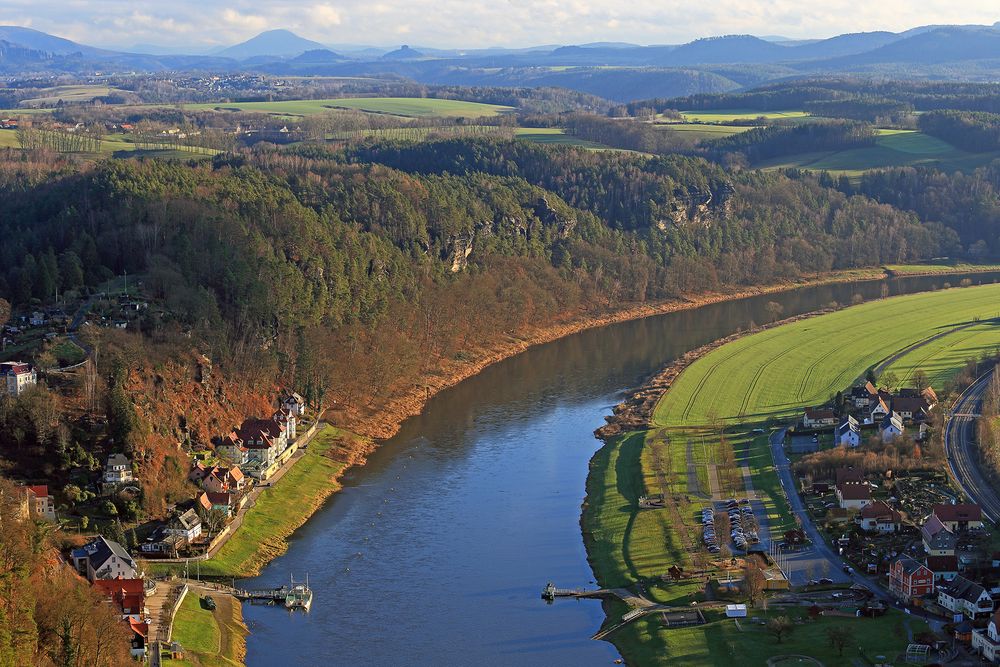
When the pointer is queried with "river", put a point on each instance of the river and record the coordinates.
(436, 552)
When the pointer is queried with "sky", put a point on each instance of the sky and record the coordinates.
(198, 25)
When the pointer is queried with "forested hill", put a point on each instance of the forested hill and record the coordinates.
(384, 260)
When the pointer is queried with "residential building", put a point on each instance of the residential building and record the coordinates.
(911, 408)
(854, 495)
(937, 539)
(879, 411)
(287, 419)
(945, 568)
(38, 502)
(102, 558)
(140, 638)
(910, 579)
(217, 478)
(233, 449)
(264, 439)
(879, 517)
(159, 543)
(18, 377)
(849, 433)
(118, 470)
(127, 595)
(185, 524)
(962, 596)
(819, 418)
(863, 396)
(891, 427)
(986, 641)
(958, 517)
(295, 404)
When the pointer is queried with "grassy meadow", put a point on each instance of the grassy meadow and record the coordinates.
(940, 267)
(556, 136)
(730, 115)
(411, 107)
(942, 359)
(893, 148)
(121, 145)
(704, 131)
(775, 373)
(210, 638)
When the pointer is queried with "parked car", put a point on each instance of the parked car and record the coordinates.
(825, 581)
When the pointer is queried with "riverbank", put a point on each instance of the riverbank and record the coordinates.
(209, 637)
(728, 392)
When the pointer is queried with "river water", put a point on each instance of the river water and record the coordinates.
(436, 552)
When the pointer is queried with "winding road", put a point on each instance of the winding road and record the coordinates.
(962, 450)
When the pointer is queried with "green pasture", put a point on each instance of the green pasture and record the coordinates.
(75, 93)
(775, 373)
(730, 115)
(704, 131)
(555, 136)
(942, 359)
(415, 107)
(941, 267)
(893, 148)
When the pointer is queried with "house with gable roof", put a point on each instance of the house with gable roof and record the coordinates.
(102, 558)
(937, 539)
(963, 596)
(909, 578)
(879, 517)
(18, 377)
(986, 641)
(960, 516)
(849, 433)
(891, 427)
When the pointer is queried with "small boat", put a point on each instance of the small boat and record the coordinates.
(299, 597)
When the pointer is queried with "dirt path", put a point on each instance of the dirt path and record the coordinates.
(693, 485)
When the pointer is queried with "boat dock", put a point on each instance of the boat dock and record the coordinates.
(263, 596)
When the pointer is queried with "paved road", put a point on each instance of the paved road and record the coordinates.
(962, 450)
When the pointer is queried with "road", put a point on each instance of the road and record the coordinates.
(963, 452)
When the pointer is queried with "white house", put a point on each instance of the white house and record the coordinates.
(937, 539)
(987, 640)
(879, 517)
(878, 412)
(295, 404)
(38, 502)
(962, 596)
(854, 495)
(232, 448)
(849, 433)
(104, 559)
(186, 525)
(18, 377)
(818, 418)
(287, 419)
(118, 469)
(891, 427)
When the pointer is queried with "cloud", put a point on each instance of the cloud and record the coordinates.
(469, 24)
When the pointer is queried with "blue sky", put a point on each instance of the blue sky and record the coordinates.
(202, 24)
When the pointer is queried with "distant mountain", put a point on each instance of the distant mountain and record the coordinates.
(317, 57)
(403, 53)
(942, 45)
(40, 41)
(729, 49)
(278, 43)
(843, 45)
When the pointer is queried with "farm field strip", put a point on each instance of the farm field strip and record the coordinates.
(718, 381)
(944, 358)
(730, 115)
(396, 106)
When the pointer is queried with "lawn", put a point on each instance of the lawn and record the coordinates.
(893, 148)
(704, 131)
(721, 642)
(775, 373)
(396, 106)
(730, 115)
(944, 358)
(280, 510)
(941, 267)
(556, 136)
(210, 638)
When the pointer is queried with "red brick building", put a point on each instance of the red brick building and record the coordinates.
(910, 579)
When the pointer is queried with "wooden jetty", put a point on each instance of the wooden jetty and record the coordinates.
(263, 596)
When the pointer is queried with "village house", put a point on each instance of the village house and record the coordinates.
(849, 433)
(36, 501)
(186, 525)
(911, 408)
(945, 568)
(218, 479)
(862, 396)
(853, 496)
(37, 319)
(287, 419)
(233, 449)
(118, 470)
(959, 517)
(140, 638)
(879, 411)
(18, 377)
(159, 543)
(102, 558)
(294, 404)
(891, 427)
(986, 641)
(227, 503)
(819, 418)
(909, 579)
(962, 596)
(127, 595)
(879, 517)
(264, 439)
(937, 539)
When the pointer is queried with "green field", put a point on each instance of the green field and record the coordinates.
(941, 267)
(556, 136)
(722, 642)
(209, 638)
(775, 373)
(122, 145)
(49, 97)
(704, 131)
(944, 358)
(279, 510)
(893, 148)
(414, 107)
(730, 115)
